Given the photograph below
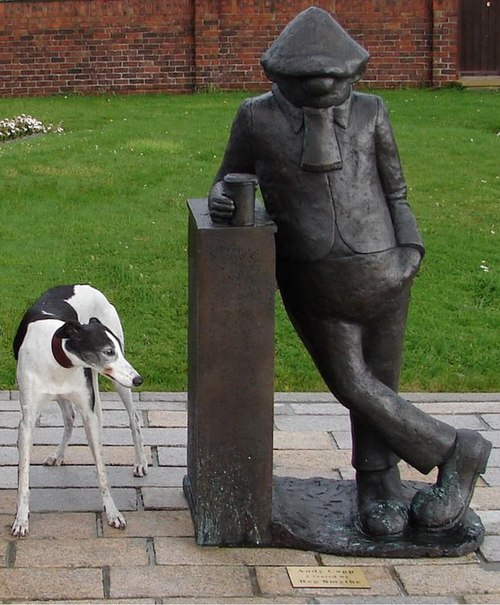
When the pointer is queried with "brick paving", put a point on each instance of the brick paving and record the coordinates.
(72, 555)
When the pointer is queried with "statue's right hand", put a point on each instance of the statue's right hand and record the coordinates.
(220, 206)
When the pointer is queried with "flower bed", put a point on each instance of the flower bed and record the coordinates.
(22, 126)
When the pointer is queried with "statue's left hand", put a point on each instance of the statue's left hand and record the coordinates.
(413, 258)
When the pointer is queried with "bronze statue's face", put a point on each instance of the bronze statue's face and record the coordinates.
(315, 91)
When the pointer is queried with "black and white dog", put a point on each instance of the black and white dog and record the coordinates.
(68, 337)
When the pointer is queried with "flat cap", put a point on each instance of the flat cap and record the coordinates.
(314, 44)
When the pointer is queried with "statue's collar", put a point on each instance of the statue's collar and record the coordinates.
(295, 115)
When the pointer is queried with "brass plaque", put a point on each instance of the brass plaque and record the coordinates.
(327, 577)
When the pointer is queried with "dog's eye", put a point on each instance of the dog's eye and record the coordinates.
(109, 352)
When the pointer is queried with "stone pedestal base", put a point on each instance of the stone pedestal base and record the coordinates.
(321, 515)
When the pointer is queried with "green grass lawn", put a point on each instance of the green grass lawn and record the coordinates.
(105, 203)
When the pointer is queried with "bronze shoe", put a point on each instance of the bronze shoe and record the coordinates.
(382, 513)
(444, 504)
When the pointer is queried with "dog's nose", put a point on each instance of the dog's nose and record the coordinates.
(137, 380)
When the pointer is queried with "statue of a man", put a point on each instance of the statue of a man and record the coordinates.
(348, 248)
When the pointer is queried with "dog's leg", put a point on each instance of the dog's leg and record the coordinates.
(93, 431)
(68, 414)
(141, 463)
(20, 527)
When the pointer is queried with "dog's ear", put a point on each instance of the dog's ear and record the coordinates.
(94, 320)
(69, 329)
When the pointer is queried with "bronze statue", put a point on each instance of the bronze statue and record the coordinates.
(348, 248)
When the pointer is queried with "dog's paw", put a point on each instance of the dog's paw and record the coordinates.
(140, 470)
(115, 519)
(53, 461)
(20, 528)
(118, 522)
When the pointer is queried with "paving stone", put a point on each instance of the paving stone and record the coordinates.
(44, 584)
(492, 420)
(164, 498)
(460, 407)
(4, 395)
(348, 473)
(461, 421)
(5, 524)
(4, 545)
(190, 581)
(79, 500)
(494, 459)
(491, 521)
(72, 526)
(167, 419)
(96, 552)
(162, 396)
(460, 579)
(113, 396)
(452, 397)
(115, 403)
(408, 473)
(172, 456)
(493, 597)
(303, 473)
(305, 397)
(336, 560)
(168, 406)
(184, 551)
(110, 418)
(235, 600)
(86, 476)
(297, 440)
(154, 523)
(320, 409)
(10, 419)
(9, 406)
(315, 461)
(493, 436)
(52, 436)
(151, 436)
(8, 499)
(312, 423)
(275, 581)
(110, 436)
(486, 498)
(492, 476)
(343, 439)
(113, 455)
(8, 477)
(8, 437)
(387, 600)
(8, 455)
(100, 602)
(490, 549)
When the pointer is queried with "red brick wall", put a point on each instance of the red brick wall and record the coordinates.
(445, 41)
(95, 45)
(398, 35)
(92, 46)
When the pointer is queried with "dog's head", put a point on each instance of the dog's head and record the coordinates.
(93, 345)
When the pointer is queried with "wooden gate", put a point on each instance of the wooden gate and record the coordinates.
(479, 37)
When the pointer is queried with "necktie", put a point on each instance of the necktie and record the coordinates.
(320, 149)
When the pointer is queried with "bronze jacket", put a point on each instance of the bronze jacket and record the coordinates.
(364, 202)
